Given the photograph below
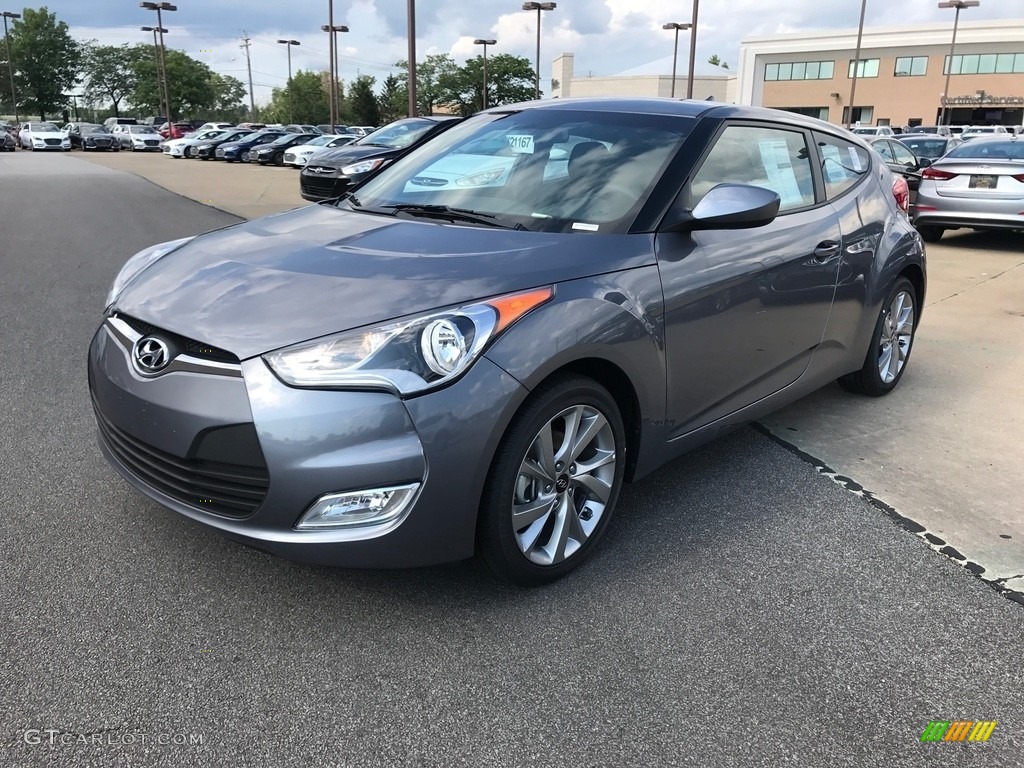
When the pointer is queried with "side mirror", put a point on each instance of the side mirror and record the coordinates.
(924, 162)
(726, 206)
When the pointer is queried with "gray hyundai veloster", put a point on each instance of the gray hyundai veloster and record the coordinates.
(470, 352)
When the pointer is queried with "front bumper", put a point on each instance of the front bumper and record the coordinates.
(191, 422)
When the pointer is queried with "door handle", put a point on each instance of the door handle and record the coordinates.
(825, 251)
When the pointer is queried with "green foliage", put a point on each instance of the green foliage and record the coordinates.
(229, 97)
(110, 72)
(46, 61)
(362, 103)
(303, 100)
(393, 100)
(430, 75)
(509, 80)
(716, 61)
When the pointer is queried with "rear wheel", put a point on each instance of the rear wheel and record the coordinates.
(930, 234)
(279, 158)
(891, 344)
(554, 482)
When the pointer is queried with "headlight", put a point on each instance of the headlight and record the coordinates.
(362, 167)
(139, 262)
(407, 356)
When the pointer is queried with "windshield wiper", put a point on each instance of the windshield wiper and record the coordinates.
(452, 214)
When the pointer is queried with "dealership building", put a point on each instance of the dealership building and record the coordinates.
(901, 75)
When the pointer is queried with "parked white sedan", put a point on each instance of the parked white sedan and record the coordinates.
(179, 148)
(299, 155)
(43, 136)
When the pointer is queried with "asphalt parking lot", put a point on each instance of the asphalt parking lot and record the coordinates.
(743, 609)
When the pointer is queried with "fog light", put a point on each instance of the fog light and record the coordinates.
(373, 506)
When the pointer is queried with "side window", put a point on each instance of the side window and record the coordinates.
(903, 155)
(884, 148)
(842, 164)
(774, 158)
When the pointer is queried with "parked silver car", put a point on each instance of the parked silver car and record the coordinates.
(476, 348)
(138, 138)
(979, 185)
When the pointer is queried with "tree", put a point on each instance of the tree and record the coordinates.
(303, 100)
(110, 72)
(362, 102)
(429, 75)
(510, 79)
(46, 61)
(393, 100)
(229, 96)
(714, 60)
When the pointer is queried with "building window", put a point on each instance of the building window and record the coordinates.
(819, 112)
(911, 66)
(799, 70)
(861, 115)
(985, 64)
(866, 68)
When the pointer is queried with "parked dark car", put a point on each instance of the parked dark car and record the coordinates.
(334, 171)
(238, 151)
(931, 146)
(208, 150)
(90, 136)
(7, 141)
(274, 151)
(474, 350)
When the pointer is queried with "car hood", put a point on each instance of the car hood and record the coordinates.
(340, 156)
(290, 277)
(47, 135)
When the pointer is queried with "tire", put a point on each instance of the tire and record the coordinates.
(556, 498)
(930, 234)
(881, 373)
(279, 159)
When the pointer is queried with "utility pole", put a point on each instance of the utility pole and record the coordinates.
(10, 62)
(248, 63)
(411, 14)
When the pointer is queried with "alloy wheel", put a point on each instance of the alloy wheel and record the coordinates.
(896, 337)
(563, 485)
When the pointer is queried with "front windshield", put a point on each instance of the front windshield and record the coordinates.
(285, 139)
(995, 149)
(398, 135)
(43, 127)
(320, 141)
(141, 129)
(551, 170)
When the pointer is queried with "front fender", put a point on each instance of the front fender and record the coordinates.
(614, 320)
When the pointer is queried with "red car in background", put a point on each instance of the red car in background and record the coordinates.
(176, 131)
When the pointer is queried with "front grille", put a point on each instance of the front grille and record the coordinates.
(289, 157)
(152, 142)
(317, 186)
(220, 152)
(223, 488)
(101, 142)
(52, 142)
(192, 347)
(167, 149)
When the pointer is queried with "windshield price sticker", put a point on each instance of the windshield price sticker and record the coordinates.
(521, 144)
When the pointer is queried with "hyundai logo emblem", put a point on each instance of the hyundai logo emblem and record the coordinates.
(318, 169)
(151, 355)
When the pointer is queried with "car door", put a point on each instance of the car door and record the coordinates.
(745, 309)
(909, 165)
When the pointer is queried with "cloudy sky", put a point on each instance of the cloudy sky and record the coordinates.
(607, 36)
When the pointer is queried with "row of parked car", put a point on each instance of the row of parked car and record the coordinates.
(965, 132)
(330, 162)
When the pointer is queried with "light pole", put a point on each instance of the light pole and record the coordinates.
(958, 4)
(856, 62)
(538, 7)
(160, 7)
(675, 50)
(693, 50)
(411, 15)
(291, 98)
(484, 43)
(159, 70)
(334, 29)
(10, 63)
